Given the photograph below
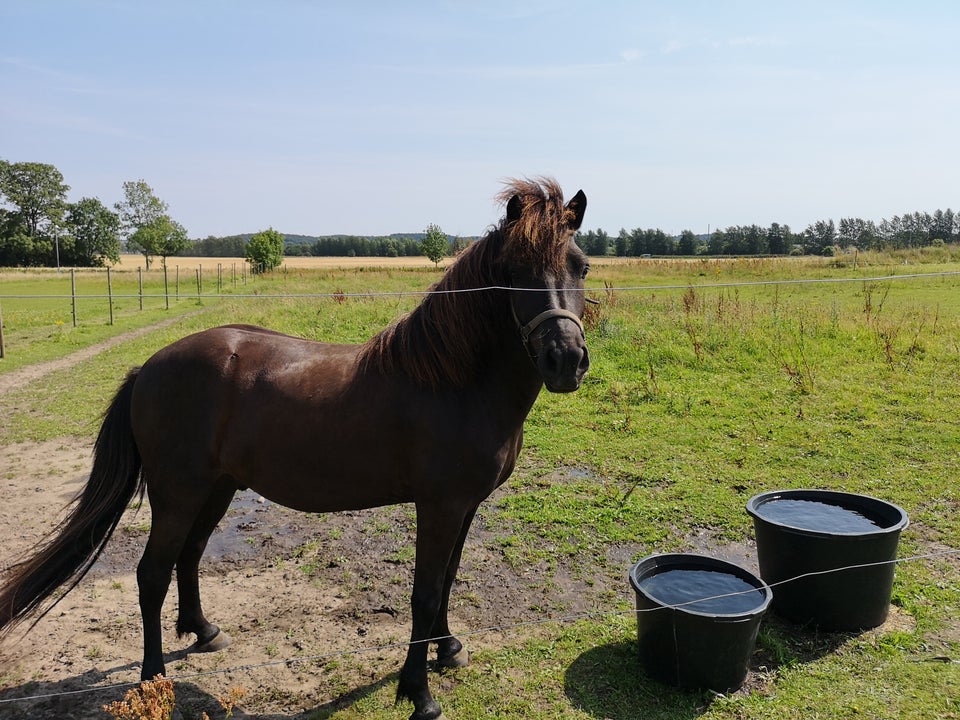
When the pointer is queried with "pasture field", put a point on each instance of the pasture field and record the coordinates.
(711, 381)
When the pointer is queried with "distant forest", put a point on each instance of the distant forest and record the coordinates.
(396, 245)
(823, 237)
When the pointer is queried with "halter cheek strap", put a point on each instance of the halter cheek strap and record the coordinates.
(526, 330)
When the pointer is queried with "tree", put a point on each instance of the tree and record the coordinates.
(687, 244)
(622, 243)
(717, 242)
(37, 194)
(819, 238)
(596, 243)
(139, 209)
(857, 233)
(778, 237)
(95, 232)
(434, 245)
(161, 236)
(265, 251)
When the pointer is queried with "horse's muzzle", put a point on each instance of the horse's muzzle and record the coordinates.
(563, 365)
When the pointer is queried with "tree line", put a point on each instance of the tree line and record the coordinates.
(399, 245)
(824, 237)
(38, 227)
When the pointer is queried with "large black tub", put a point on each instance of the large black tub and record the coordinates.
(697, 619)
(804, 537)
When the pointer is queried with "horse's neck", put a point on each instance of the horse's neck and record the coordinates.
(509, 376)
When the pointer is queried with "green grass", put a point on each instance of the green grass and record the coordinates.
(698, 398)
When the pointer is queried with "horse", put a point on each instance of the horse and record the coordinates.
(429, 411)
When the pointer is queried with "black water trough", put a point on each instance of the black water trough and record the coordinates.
(697, 619)
(809, 535)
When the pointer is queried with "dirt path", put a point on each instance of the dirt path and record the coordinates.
(16, 379)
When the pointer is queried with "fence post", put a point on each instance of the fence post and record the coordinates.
(140, 280)
(73, 294)
(198, 285)
(166, 285)
(110, 295)
(178, 282)
(3, 353)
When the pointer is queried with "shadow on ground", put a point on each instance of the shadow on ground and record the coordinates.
(608, 682)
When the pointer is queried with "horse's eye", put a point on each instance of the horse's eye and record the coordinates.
(584, 271)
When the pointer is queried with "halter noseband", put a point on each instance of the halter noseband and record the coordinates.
(526, 330)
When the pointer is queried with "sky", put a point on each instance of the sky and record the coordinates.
(368, 118)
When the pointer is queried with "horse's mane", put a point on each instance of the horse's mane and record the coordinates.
(437, 343)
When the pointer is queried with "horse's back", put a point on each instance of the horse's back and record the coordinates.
(202, 384)
(288, 417)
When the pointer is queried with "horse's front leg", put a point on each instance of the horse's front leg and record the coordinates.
(450, 651)
(438, 531)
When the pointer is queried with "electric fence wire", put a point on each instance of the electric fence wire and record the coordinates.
(414, 293)
(574, 617)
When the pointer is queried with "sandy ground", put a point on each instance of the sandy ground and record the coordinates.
(279, 599)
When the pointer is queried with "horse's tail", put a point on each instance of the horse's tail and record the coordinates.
(71, 549)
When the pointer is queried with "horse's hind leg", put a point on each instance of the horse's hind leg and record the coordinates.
(169, 529)
(191, 618)
(178, 505)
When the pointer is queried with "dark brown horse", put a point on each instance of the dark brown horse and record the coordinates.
(429, 411)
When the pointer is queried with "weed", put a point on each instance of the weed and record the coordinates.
(868, 301)
(153, 700)
(230, 700)
(692, 308)
(792, 359)
(402, 555)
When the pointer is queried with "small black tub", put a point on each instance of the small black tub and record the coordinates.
(697, 619)
(805, 537)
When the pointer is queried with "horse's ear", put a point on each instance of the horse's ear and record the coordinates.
(578, 204)
(514, 208)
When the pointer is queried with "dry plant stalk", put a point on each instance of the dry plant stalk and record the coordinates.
(233, 696)
(153, 700)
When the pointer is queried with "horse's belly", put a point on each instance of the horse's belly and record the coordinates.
(330, 495)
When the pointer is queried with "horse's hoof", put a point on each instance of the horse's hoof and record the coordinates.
(219, 641)
(459, 659)
(416, 716)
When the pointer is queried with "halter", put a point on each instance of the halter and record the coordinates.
(526, 330)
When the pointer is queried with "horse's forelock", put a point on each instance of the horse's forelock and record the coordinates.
(539, 235)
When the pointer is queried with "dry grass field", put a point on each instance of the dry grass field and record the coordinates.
(132, 262)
